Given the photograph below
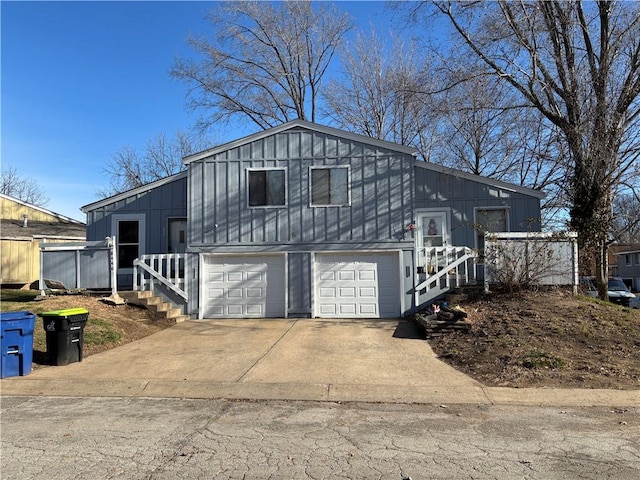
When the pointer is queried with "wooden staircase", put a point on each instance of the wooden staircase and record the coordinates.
(161, 308)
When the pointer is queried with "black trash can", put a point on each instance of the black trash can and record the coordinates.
(65, 334)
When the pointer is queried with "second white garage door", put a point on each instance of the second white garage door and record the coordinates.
(357, 285)
(244, 286)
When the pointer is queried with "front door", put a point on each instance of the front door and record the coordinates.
(432, 231)
(129, 230)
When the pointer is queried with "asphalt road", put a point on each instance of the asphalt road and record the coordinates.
(142, 438)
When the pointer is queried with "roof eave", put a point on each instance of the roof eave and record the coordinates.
(134, 191)
(299, 124)
(477, 178)
(41, 209)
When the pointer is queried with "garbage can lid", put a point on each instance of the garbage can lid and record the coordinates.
(64, 312)
(12, 316)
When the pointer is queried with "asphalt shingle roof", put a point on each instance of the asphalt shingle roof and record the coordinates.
(15, 229)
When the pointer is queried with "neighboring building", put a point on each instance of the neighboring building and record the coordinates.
(305, 220)
(23, 227)
(628, 266)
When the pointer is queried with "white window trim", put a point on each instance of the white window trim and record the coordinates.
(262, 169)
(419, 212)
(330, 167)
(475, 220)
(124, 217)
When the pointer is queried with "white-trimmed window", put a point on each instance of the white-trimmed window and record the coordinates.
(267, 187)
(329, 186)
(490, 219)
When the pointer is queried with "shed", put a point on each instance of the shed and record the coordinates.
(23, 227)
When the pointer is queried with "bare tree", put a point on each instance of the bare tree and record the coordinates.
(579, 66)
(162, 157)
(266, 63)
(456, 115)
(626, 214)
(379, 93)
(22, 188)
(479, 119)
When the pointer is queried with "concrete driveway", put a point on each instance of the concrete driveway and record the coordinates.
(286, 359)
(268, 358)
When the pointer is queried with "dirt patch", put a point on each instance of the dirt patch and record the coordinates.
(546, 339)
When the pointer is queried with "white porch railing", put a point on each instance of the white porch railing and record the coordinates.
(167, 269)
(442, 268)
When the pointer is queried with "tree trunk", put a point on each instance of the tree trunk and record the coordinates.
(602, 267)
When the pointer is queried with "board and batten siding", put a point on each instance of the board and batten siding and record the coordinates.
(463, 195)
(380, 209)
(380, 192)
(157, 204)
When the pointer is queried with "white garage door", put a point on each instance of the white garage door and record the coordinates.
(357, 285)
(244, 286)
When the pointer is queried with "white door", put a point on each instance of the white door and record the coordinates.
(357, 285)
(244, 286)
(433, 229)
(129, 230)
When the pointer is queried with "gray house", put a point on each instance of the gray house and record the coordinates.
(629, 267)
(305, 220)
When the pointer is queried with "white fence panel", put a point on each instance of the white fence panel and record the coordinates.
(536, 258)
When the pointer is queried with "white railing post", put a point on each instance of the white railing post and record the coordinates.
(442, 261)
(162, 268)
(113, 254)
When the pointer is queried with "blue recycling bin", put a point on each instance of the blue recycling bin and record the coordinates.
(17, 343)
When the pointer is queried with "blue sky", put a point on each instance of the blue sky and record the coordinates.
(81, 80)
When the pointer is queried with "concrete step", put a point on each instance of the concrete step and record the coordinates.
(161, 309)
(171, 314)
(463, 293)
(149, 301)
(135, 294)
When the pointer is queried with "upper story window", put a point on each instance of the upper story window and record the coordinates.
(267, 187)
(330, 186)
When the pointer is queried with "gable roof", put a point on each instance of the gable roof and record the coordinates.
(315, 127)
(15, 229)
(58, 217)
(134, 191)
(624, 248)
(477, 178)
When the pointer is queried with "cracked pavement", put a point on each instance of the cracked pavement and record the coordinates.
(144, 438)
